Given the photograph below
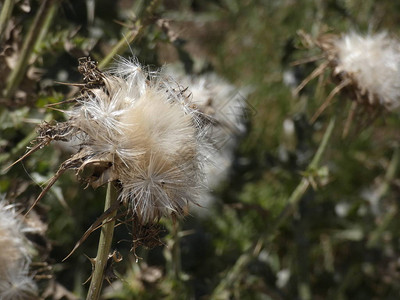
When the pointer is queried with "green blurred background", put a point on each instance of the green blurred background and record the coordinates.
(341, 238)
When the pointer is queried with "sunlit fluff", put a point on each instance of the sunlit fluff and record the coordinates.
(369, 62)
(141, 129)
(15, 257)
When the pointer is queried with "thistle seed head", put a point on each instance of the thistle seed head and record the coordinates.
(137, 127)
(371, 64)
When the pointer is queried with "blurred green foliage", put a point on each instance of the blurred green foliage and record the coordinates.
(341, 241)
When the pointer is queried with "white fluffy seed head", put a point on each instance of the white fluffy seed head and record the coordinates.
(372, 63)
(146, 133)
(15, 256)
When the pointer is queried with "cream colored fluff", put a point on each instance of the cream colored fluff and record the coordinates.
(150, 133)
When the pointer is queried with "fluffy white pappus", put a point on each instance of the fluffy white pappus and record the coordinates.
(15, 256)
(149, 132)
(373, 63)
(162, 178)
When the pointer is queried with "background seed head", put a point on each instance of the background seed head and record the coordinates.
(371, 62)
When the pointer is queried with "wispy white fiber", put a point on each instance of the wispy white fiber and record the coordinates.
(15, 256)
(225, 104)
(149, 132)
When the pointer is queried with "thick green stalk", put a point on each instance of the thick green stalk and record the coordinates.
(5, 15)
(31, 39)
(106, 236)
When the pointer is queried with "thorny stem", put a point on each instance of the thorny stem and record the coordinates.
(103, 250)
(236, 271)
(31, 40)
(5, 15)
(124, 43)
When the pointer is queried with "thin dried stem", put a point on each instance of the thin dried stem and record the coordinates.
(307, 60)
(52, 181)
(318, 71)
(328, 100)
(21, 146)
(31, 151)
(349, 119)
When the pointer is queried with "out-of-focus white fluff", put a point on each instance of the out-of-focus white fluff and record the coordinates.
(15, 256)
(373, 61)
(225, 105)
(221, 100)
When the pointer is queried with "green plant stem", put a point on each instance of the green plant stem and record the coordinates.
(5, 15)
(106, 236)
(48, 19)
(135, 33)
(121, 46)
(31, 40)
(304, 184)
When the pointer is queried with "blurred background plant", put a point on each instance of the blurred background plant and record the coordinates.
(338, 238)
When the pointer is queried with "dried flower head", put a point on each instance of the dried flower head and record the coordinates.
(367, 67)
(139, 128)
(15, 256)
